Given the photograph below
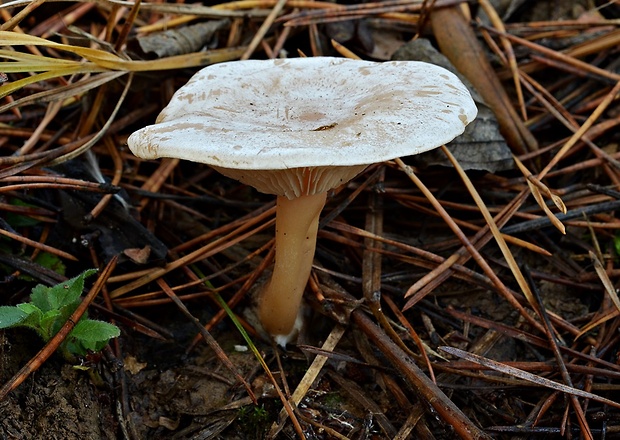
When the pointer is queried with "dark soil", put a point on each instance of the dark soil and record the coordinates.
(59, 401)
(158, 381)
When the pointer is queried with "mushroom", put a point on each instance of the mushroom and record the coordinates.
(297, 128)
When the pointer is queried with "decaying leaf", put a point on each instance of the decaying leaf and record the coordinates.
(187, 39)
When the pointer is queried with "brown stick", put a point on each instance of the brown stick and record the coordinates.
(446, 409)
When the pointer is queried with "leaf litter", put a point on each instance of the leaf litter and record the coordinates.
(470, 293)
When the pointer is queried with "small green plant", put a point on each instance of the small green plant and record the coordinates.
(50, 307)
(254, 420)
(617, 244)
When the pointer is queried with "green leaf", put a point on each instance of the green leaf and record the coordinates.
(50, 324)
(28, 308)
(20, 220)
(40, 297)
(11, 316)
(67, 310)
(51, 261)
(60, 295)
(94, 335)
(33, 320)
(49, 310)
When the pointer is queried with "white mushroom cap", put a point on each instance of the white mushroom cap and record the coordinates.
(303, 113)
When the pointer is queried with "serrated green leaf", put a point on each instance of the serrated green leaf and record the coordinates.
(28, 308)
(93, 330)
(40, 298)
(50, 324)
(93, 335)
(60, 295)
(49, 310)
(34, 315)
(65, 313)
(11, 316)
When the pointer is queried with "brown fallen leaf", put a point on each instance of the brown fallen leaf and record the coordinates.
(459, 44)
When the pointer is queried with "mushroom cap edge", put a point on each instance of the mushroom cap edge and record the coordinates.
(396, 109)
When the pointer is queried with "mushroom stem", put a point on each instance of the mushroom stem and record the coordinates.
(297, 223)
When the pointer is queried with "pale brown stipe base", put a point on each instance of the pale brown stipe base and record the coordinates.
(297, 222)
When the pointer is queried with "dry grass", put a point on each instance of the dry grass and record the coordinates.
(489, 297)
